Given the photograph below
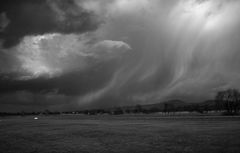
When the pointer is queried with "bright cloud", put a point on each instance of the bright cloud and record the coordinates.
(54, 54)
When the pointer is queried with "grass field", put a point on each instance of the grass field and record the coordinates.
(119, 134)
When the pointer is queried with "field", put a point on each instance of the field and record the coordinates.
(120, 134)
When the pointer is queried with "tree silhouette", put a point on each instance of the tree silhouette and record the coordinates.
(138, 109)
(169, 108)
(219, 100)
(228, 100)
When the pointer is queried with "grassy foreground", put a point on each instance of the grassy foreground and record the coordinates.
(119, 134)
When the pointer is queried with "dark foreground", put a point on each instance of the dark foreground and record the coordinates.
(119, 134)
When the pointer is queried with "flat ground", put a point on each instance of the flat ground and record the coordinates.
(119, 134)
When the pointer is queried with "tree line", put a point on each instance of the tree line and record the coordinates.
(226, 102)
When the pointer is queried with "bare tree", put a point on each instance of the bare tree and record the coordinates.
(228, 100)
(219, 101)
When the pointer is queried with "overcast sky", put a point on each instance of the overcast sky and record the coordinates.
(73, 54)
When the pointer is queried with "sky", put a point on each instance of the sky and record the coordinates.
(76, 54)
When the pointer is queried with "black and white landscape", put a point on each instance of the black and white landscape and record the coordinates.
(119, 76)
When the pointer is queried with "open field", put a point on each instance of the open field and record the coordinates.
(119, 134)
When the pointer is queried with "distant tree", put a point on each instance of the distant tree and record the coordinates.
(101, 111)
(145, 111)
(85, 112)
(118, 111)
(206, 108)
(93, 112)
(198, 108)
(46, 112)
(138, 109)
(128, 111)
(154, 110)
(169, 108)
(228, 100)
(219, 100)
(56, 113)
(23, 113)
(166, 108)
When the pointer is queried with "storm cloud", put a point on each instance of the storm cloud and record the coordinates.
(91, 53)
(26, 17)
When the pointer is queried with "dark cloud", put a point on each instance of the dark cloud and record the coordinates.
(4, 21)
(177, 50)
(27, 17)
(74, 83)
